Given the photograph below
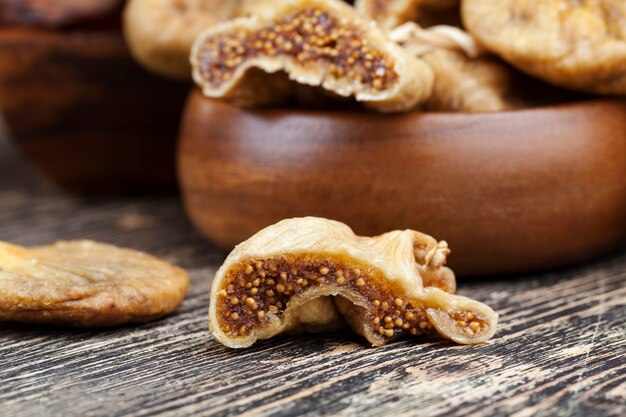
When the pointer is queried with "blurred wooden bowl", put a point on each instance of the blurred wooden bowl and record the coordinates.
(511, 192)
(85, 113)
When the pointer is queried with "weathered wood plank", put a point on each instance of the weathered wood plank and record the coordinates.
(560, 350)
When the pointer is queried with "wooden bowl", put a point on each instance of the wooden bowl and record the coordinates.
(85, 113)
(511, 192)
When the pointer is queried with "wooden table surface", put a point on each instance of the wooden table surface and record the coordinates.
(560, 348)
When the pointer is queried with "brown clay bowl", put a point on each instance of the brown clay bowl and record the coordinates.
(85, 113)
(511, 192)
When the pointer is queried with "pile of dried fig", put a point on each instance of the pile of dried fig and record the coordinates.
(389, 55)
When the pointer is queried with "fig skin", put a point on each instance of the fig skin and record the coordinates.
(470, 85)
(389, 14)
(575, 45)
(467, 78)
(160, 33)
(86, 284)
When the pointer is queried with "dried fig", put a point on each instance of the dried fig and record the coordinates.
(574, 44)
(86, 284)
(466, 80)
(385, 287)
(54, 13)
(471, 85)
(316, 42)
(160, 32)
(389, 13)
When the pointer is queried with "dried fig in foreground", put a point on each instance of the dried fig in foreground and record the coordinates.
(466, 78)
(385, 287)
(86, 284)
(160, 32)
(54, 13)
(315, 42)
(578, 45)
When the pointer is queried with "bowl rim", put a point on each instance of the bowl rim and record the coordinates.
(569, 106)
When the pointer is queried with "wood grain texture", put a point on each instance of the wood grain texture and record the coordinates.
(560, 350)
(510, 191)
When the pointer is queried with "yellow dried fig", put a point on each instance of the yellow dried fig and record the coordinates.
(385, 287)
(579, 45)
(470, 85)
(315, 42)
(389, 14)
(86, 284)
(466, 79)
(160, 32)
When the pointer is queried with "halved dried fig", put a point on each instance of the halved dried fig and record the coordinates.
(316, 42)
(466, 78)
(385, 287)
(160, 32)
(574, 44)
(54, 13)
(86, 284)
